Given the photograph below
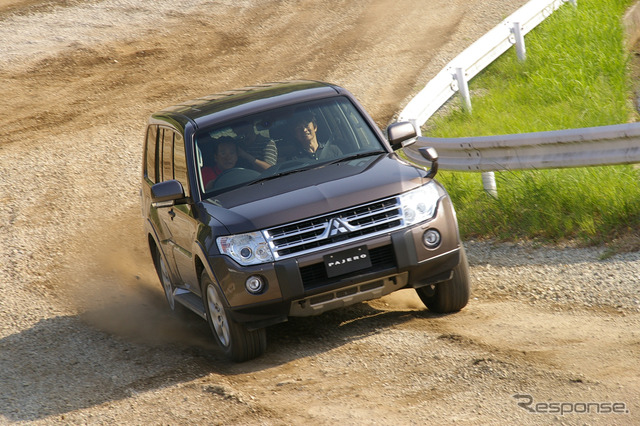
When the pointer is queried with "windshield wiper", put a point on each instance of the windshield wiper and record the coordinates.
(358, 155)
(314, 165)
(277, 175)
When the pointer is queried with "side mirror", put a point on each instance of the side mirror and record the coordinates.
(401, 132)
(430, 154)
(165, 194)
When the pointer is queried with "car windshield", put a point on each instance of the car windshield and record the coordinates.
(281, 141)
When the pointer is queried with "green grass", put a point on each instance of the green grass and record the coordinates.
(577, 74)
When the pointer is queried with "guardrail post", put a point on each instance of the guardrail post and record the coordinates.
(463, 88)
(416, 125)
(489, 184)
(521, 50)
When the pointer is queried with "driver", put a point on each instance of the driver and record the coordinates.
(305, 129)
(225, 157)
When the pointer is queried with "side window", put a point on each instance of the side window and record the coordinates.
(180, 163)
(167, 154)
(150, 151)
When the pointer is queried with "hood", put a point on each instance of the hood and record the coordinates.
(313, 192)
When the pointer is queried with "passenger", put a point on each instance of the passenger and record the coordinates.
(225, 156)
(254, 150)
(309, 147)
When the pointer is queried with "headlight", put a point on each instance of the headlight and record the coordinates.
(419, 204)
(246, 249)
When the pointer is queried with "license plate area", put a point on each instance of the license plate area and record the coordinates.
(346, 261)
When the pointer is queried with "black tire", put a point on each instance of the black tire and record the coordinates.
(237, 342)
(452, 295)
(165, 279)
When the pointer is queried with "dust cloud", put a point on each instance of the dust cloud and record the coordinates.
(403, 299)
(116, 290)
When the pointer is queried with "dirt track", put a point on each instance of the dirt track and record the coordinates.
(84, 333)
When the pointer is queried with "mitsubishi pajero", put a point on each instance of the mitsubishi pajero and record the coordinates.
(286, 199)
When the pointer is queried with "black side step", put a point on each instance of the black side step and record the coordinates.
(191, 301)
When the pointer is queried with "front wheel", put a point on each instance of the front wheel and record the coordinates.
(452, 295)
(238, 343)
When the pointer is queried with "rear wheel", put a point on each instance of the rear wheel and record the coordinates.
(238, 343)
(451, 295)
(165, 279)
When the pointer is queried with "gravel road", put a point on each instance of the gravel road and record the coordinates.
(85, 337)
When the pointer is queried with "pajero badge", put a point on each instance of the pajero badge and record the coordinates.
(347, 261)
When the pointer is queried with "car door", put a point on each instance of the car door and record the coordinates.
(152, 174)
(178, 222)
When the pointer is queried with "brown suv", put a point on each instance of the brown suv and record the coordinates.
(286, 199)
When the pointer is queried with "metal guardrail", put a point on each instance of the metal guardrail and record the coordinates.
(592, 146)
(475, 58)
(607, 145)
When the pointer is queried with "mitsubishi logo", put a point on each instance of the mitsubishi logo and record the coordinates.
(338, 226)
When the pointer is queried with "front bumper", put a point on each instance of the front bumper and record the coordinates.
(300, 286)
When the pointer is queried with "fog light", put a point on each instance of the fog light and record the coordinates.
(255, 284)
(431, 239)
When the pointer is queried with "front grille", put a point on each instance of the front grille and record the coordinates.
(315, 275)
(324, 231)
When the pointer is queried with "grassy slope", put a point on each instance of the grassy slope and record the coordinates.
(576, 75)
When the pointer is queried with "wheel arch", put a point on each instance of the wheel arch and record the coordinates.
(154, 246)
(201, 265)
